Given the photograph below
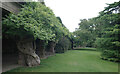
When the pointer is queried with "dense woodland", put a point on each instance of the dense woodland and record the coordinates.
(101, 32)
(36, 31)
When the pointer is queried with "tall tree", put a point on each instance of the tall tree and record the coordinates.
(109, 41)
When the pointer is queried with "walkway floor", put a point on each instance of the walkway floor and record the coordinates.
(9, 61)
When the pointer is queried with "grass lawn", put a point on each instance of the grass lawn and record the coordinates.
(86, 48)
(72, 61)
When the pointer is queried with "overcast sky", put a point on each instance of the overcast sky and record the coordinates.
(71, 11)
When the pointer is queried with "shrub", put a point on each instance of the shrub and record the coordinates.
(63, 45)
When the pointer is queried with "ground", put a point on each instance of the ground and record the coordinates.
(73, 61)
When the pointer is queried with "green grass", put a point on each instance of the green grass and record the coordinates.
(86, 48)
(72, 61)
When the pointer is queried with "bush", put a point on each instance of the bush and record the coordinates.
(63, 45)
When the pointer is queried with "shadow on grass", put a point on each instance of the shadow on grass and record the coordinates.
(86, 49)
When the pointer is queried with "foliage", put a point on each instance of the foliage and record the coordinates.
(109, 41)
(102, 32)
(64, 39)
(34, 19)
(84, 35)
(64, 31)
(63, 45)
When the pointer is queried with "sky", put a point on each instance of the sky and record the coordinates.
(71, 11)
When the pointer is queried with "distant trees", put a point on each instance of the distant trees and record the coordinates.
(85, 34)
(102, 32)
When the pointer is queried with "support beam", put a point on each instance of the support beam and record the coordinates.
(13, 7)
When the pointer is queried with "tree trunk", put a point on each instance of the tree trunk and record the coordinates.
(72, 45)
(40, 48)
(51, 46)
(27, 55)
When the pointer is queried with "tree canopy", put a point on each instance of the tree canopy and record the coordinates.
(34, 19)
(102, 32)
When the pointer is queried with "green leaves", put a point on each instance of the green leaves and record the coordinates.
(102, 31)
(109, 42)
(34, 19)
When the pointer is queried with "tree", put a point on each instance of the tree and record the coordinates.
(35, 21)
(102, 31)
(109, 41)
(64, 39)
(85, 34)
